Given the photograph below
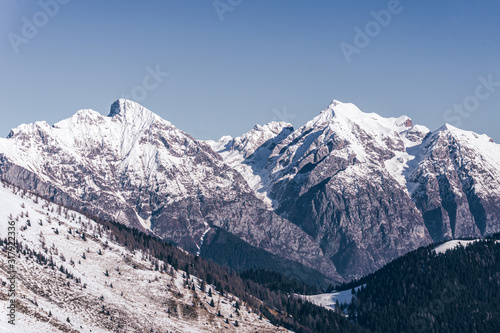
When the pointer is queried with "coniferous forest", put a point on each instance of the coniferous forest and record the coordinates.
(457, 291)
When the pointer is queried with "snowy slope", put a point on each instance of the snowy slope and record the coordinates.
(345, 193)
(328, 300)
(131, 140)
(133, 298)
(455, 182)
(453, 244)
(450, 245)
(249, 153)
(340, 178)
(368, 137)
(365, 136)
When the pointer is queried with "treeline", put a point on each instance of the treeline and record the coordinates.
(458, 291)
(281, 309)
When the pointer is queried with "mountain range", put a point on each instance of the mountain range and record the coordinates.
(340, 196)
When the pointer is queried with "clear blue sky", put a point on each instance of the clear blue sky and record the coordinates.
(227, 75)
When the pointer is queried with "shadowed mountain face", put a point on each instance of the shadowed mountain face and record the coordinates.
(344, 194)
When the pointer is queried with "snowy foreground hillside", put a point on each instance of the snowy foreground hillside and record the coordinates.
(97, 285)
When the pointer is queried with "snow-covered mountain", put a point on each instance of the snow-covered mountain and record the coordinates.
(343, 194)
(72, 276)
(249, 153)
(138, 169)
(368, 188)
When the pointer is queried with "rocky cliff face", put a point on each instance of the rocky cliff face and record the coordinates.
(455, 183)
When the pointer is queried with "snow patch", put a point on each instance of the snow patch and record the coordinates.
(451, 245)
(329, 300)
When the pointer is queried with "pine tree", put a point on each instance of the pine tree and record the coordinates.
(202, 286)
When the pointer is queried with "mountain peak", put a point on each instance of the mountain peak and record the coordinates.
(83, 116)
(403, 121)
(274, 127)
(339, 111)
(335, 103)
(130, 112)
(446, 127)
(348, 113)
(329, 112)
(124, 106)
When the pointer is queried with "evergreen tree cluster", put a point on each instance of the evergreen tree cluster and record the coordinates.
(458, 291)
(39, 258)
